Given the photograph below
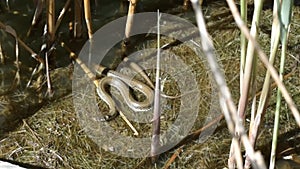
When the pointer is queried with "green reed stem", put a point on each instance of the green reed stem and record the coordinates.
(243, 9)
(285, 15)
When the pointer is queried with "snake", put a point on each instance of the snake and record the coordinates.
(123, 84)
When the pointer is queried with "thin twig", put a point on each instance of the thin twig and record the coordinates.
(173, 157)
(135, 132)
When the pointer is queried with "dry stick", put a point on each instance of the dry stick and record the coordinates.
(135, 132)
(87, 15)
(156, 110)
(173, 157)
(229, 109)
(264, 59)
(92, 77)
(7, 4)
(9, 30)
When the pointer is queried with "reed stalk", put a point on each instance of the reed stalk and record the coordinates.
(249, 76)
(129, 21)
(78, 28)
(51, 19)
(88, 17)
(285, 18)
(264, 59)
(243, 9)
(155, 145)
(227, 104)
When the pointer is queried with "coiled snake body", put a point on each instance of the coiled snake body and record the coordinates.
(122, 83)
